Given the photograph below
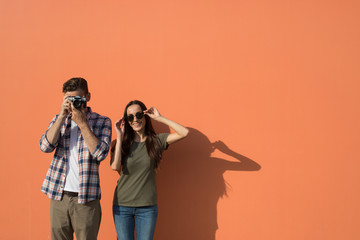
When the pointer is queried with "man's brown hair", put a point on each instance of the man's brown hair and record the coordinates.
(74, 84)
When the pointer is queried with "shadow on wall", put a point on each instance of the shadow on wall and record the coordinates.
(190, 183)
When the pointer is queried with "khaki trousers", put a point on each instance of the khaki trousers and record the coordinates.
(68, 216)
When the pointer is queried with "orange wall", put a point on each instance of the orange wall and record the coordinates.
(275, 81)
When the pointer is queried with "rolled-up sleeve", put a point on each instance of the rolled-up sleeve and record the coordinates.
(102, 149)
(45, 145)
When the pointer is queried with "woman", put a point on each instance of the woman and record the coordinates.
(136, 156)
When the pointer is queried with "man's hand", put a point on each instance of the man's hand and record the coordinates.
(78, 115)
(65, 108)
(54, 132)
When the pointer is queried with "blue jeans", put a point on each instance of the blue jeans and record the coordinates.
(125, 219)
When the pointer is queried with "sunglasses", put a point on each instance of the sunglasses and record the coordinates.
(138, 115)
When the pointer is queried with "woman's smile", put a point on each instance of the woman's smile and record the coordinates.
(136, 124)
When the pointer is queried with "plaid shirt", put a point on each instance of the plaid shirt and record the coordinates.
(89, 181)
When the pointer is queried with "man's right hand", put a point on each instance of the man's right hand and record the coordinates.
(65, 108)
(54, 131)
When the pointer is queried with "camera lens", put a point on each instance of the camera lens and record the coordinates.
(77, 104)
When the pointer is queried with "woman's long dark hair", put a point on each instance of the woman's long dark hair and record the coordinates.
(152, 141)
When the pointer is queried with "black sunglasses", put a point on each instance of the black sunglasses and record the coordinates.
(138, 115)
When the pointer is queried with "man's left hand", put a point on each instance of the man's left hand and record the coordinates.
(78, 115)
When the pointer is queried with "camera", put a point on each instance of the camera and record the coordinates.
(78, 101)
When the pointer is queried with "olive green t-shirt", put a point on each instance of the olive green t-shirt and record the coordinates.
(136, 186)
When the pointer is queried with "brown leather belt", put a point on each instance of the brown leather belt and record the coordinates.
(71, 194)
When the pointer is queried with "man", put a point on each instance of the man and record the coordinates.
(81, 140)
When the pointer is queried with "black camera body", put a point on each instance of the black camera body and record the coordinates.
(78, 101)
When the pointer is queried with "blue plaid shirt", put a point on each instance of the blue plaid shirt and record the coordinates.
(89, 181)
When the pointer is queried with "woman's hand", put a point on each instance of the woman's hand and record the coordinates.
(120, 128)
(115, 161)
(153, 113)
(180, 131)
